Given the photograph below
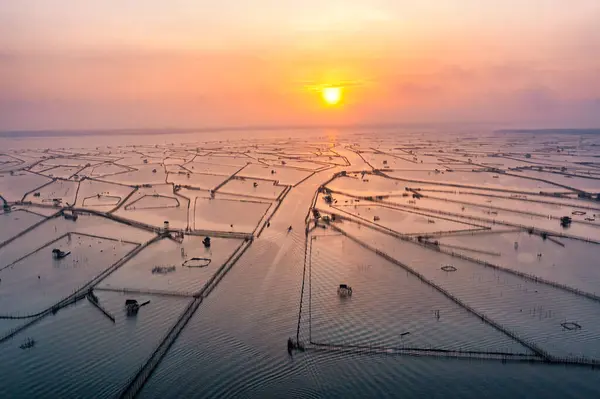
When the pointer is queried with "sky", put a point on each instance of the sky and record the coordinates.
(102, 64)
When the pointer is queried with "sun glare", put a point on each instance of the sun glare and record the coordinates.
(332, 95)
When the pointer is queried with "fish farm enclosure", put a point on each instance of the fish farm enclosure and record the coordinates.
(180, 268)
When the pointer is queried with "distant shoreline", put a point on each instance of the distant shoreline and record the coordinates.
(159, 131)
(167, 130)
(550, 131)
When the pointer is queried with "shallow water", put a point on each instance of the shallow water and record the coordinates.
(235, 343)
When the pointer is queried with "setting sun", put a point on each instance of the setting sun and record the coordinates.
(332, 95)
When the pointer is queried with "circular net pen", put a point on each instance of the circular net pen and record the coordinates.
(448, 268)
(570, 325)
(197, 262)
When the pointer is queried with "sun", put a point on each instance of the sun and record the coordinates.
(332, 95)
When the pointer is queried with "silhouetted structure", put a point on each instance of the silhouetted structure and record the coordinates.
(58, 254)
(344, 290)
(132, 306)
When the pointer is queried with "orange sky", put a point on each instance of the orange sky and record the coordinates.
(107, 64)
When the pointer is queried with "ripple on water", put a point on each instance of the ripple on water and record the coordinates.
(137, 273)
(241, 329)
(388, 307)
(534, 311)
(79, 352)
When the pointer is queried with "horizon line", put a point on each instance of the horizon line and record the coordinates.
(207, 129)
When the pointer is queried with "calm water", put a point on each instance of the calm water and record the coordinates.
(235, 344)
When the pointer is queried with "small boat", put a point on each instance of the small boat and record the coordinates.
(206, 242)
(344, 290)
(71, 216)
(565, 221)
